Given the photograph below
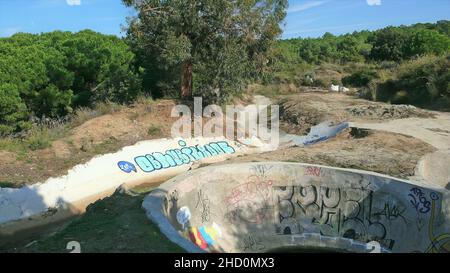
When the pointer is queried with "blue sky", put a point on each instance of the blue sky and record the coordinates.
(306, 18)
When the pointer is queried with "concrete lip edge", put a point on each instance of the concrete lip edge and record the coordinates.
(155, 202)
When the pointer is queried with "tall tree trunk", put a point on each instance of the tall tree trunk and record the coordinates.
(186, 79)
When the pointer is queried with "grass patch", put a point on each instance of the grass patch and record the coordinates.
(154, 130)
(82, 115)
(116, 224)
(8, 184)
(107, 107)
(38, 139)
(108, 146)
(10, 144)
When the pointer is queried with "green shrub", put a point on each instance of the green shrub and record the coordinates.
(154, 131)
(13, 112)
(360, 78)
(51, 74)
(423, 82)
(426, 79)
(38, 139)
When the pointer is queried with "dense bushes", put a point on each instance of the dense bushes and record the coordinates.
(388, 44)
(360, 78)
(423, 81)
(52, 73)
(329, 48)
(397, 44)
(406, 64)
(12, 110)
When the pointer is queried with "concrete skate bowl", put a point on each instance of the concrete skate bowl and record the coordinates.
(290, 207)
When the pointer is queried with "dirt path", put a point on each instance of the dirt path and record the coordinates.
(434, 131)
(433, 168)
(425, 157)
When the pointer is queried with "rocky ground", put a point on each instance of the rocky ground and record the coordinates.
(302, 110)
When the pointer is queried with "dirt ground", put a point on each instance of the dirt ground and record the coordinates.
(404, 141)
(302, 110)
(104, 134)
(119, 219)
(381, 152)
(392, 153)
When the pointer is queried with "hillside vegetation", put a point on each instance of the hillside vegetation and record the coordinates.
(51, 75)
(406, 64)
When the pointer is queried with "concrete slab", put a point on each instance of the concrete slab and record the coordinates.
(259, 207)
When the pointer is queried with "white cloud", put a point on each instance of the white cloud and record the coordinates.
(73, 2)
(305, 6)
(374, 2)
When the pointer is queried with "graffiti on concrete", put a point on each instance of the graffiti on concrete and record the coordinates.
(260, 170)
(419, 200)
(334, 212)
(270, 206)
(313, 171)
(204, 237)
(185, 155)
(183, 216)
(251, 243)
(392, 212)
(438, 243)
(127, 166)
(203, 202)
(249, 201)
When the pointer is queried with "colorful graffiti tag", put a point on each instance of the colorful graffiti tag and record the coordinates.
(204, 237)
(177, 157)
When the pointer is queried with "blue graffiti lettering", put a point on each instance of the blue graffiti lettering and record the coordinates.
(127, 166)
(204, 151)
(185, 158)
(211, 150)
(226, 147)
(165, 159)
(156, 164)
(175, 157)
(144, 164)
(178, 157)
(216, 147)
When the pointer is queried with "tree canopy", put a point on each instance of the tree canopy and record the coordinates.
(209, 47)
(52, 73)
(395, 44)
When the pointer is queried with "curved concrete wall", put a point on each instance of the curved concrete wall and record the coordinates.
(147, 161)
(257, 207)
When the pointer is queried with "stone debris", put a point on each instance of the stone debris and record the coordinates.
(386, 111)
